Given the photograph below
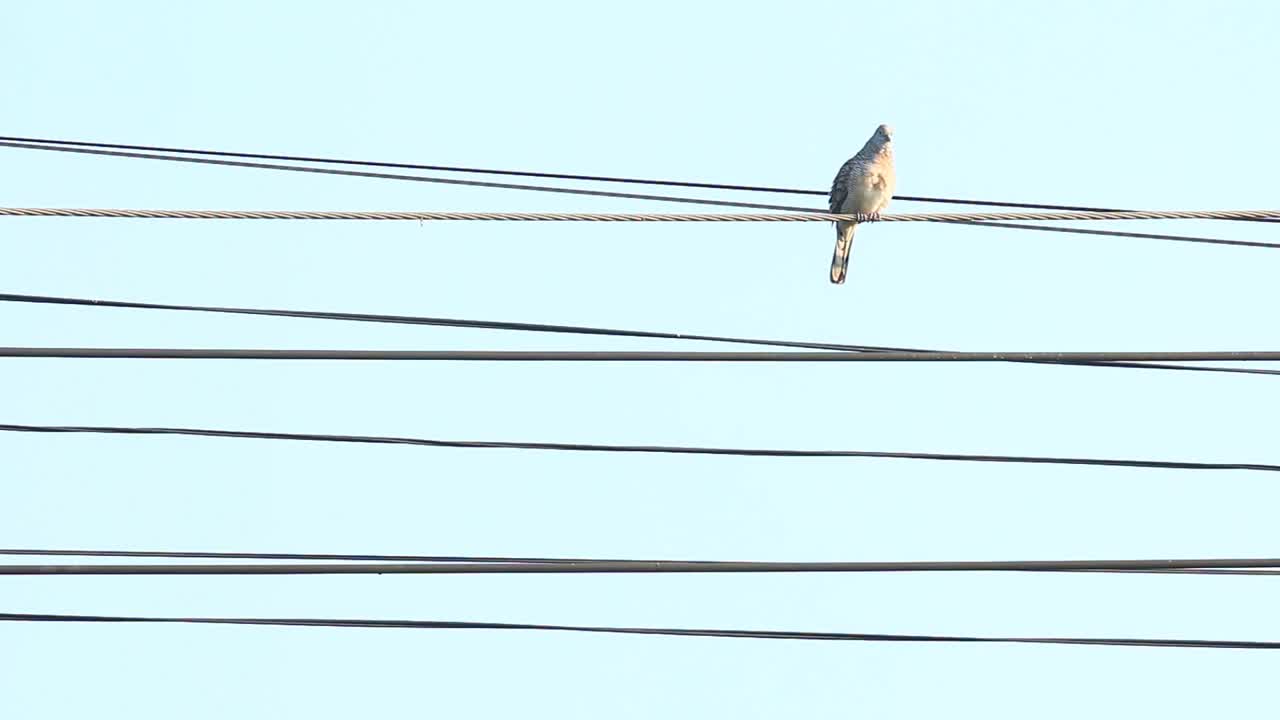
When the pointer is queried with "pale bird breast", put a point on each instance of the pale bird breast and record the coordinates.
(869, 192)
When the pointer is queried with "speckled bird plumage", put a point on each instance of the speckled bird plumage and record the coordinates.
(863, 185)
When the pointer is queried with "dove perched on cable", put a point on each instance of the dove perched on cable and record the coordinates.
(863, 185)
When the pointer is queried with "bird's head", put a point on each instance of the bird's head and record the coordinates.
(884, 133)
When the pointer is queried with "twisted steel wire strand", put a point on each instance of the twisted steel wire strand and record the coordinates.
(433, 215)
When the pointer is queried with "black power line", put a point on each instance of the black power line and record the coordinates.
(565, 329)
(525, 173)
(684, 632)
(660, 449)
(639, 566)
(553, 175)
(625, 355)
(299, 556)
(418, 178)
(1215, 566)
(1118, 233)
(660, 198)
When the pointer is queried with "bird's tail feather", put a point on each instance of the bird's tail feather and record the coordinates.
(840, 259)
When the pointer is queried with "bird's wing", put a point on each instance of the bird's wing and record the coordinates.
(840, 187)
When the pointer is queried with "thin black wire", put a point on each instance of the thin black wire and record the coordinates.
(621, 355)
(1185, 571)
(450, 322)
(527, 173)
(566, 329)
(417, 178)
(300, 556)
(567, 176)
(662, 449)
(1118, 233)
(637, 566)
(1207, 567)
(551, 175)
(684, 632)
(630, 196)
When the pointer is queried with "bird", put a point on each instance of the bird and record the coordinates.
(863, 185)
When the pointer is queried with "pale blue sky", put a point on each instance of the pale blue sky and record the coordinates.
(1148, 104)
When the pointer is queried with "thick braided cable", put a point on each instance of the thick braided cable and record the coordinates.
(636, 217)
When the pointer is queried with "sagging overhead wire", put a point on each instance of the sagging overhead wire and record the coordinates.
(363, 557)
(515, 173)
(645, 449)
(1211, 566)
(1119, 233)
(527, 173)
(624, 355)
(981, 218)
(683, 632)
(565, 329)
(637, 566)
(411, 178)
(633, 196)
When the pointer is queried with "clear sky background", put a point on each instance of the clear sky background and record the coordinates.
(1142, 104)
